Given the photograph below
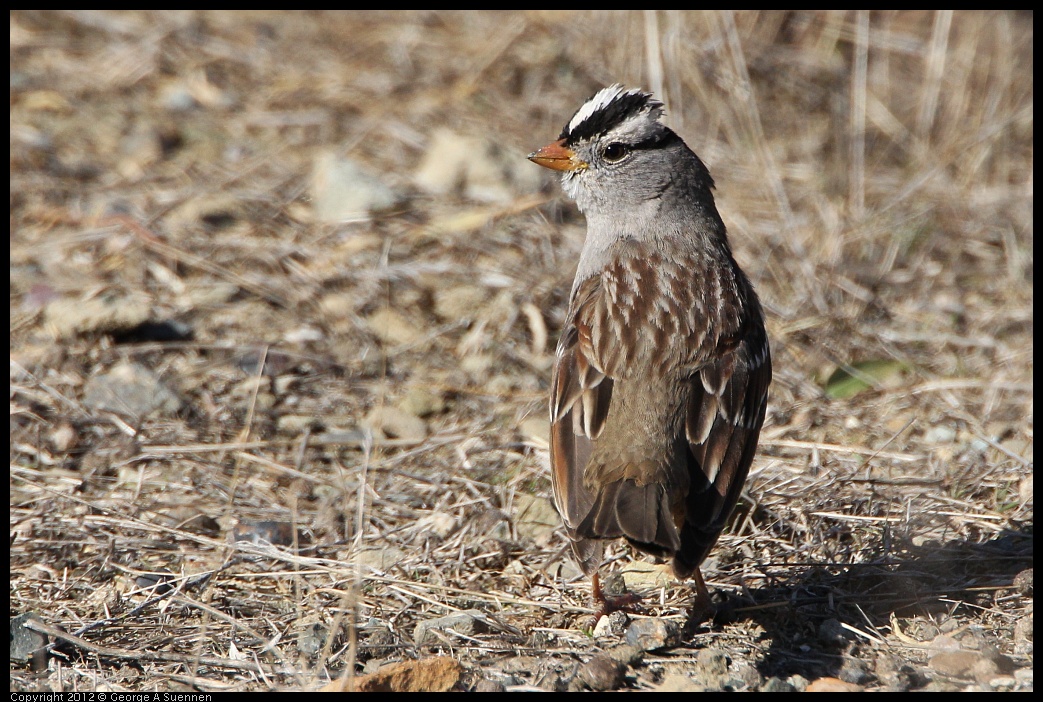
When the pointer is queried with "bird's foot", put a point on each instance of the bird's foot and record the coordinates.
(607, 604)
(699, 613)
(618, 603)
(702, 610)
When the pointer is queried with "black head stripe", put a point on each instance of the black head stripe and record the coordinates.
(606, 117)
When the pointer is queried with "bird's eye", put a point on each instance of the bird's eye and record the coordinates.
(615, 152)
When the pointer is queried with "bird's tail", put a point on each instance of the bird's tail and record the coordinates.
(640, 513)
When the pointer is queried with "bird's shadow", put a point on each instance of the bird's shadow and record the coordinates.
(812, 617)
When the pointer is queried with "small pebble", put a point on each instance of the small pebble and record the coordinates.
(651, 634)
(601, 673)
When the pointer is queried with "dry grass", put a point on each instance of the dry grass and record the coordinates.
(875, 172)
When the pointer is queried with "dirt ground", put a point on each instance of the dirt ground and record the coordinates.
(284, 298)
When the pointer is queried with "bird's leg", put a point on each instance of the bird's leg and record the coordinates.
(608, 605)
(702, 608)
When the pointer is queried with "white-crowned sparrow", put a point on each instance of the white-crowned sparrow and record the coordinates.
(662, 371)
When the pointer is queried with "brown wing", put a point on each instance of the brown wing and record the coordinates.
(580, 395)
(725, 414)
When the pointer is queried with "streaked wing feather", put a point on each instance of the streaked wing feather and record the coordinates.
(723, 429)
(580, 396)
(569, 450)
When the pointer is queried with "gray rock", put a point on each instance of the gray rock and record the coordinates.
(626, 655)
(176, 97)
(798, 682)
(1023, 582)
(460, 301)
(476, 167)
(711, 666)
(487, 685)
(342, 191)
(312, 637)
(614, 625)
(962, 664)
(380, 559)
(891, 674)
(336, 436)
(651, 634)
(264, 531)
(832, 632)
(854, 670)
(395, 423)
(774, 684)
(380, 644)
(679, 682)
(469, 623)
(392, 328)
(939, 435)
(711, 662)
(744, 677)
(130, 390)
(1003, 683)
(601, 673)
(26, 644)
(421, 402)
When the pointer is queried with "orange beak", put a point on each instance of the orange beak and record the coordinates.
(557, 157)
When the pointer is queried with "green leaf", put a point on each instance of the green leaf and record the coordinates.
(848, 381)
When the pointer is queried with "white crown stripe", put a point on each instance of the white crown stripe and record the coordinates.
(601, 99)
